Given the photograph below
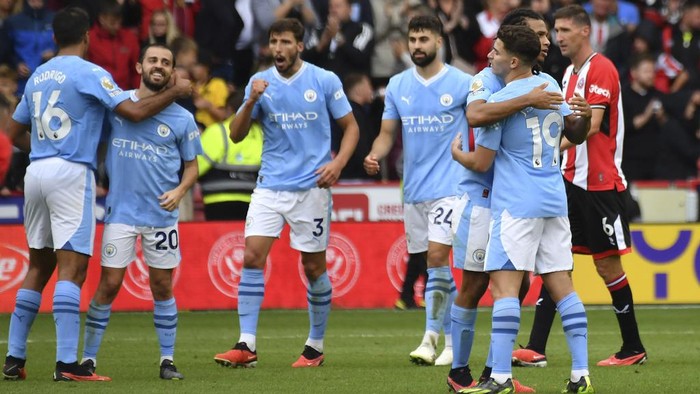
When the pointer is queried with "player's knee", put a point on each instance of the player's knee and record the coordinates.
(609, 268)
(253, 259)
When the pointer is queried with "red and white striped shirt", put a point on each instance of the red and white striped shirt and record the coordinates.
(595, 165)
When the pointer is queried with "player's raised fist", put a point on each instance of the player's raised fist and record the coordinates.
(258, 88)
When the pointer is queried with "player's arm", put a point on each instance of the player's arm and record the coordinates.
(19, 135)
(147, 107)
(596, 121)
(170, 200)
(330, 172)
(577, 125)
(480, 113)
(240, 124)
(381, 146)
(480, 160)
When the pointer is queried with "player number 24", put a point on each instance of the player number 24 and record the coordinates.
(537, 136)
(43, 119)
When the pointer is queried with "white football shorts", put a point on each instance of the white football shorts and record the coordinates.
(428, 221)
(307, 212)
(160, 246)
(539, 245)
(59, 205)
(470, 234)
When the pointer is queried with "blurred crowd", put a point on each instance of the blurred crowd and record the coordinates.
(219, 44)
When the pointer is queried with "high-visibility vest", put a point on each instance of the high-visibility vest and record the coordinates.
(228, 171)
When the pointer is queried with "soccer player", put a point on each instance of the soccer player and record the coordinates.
(428, 101)
(595, 185)
(65, 102)
(472, 212)
(293, 101)
(143, 161)
(529, 228)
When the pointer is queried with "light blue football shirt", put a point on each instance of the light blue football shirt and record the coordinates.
(294, 113)
(65, 102)
(484, 84)
(431, 114)
(143, 162)
(527, 180)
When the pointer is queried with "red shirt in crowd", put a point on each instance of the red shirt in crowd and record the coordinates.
(117, 54)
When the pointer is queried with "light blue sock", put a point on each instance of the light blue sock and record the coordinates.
(319, 296)
(165, 321)
(575, 324)
(66, 315)
(27, 304)
(437, 297)
(95, 325)
(504, 329)
(489, 357)
(251, 291)
(463, 322)
(447, 321)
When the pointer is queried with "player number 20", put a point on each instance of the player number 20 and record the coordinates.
(167, 240)
(43, 119)
(537, 137)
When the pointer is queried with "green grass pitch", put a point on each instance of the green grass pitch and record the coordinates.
(366, 352)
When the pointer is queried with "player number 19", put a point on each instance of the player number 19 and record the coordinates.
(43, 120)
(534, 125)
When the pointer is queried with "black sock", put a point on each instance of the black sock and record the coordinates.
(485, 374)
(462, 376)
(623, 305)
(417, 265)
(544, 317)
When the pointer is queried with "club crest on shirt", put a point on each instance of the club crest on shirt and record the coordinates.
(477, 84)
(163, 130)
(106, 83)
(310, 96)
(580, 83)
(446, 100)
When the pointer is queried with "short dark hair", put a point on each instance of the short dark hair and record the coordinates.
(287, 25)
(70, 26)
(574, 12)
(641, 58)
(109, 7)
(155, 45)
(353, 79)
(519, 17)
(520, 41)
(426, 22)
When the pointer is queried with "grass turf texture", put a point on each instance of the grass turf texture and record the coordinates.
(366, 352)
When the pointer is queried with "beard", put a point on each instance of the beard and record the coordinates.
(427, 59)
(156, 86)
(292, 60)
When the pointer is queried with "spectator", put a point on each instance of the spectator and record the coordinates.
(265, 12)
(686, 42)
(5, 143)
(644, 118)
(604, 24)
(183, 12)
(624, 12)
(389, 42)
(343, 46)
(8, 85)
(185, 53)
(113, 47)
(489, 21)
(162, 29)
(30, 39)
(679, 152)
(459, 34)
(243, 53)
(219, 24)
(358, 89)
(209, 94)
(228, 171)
